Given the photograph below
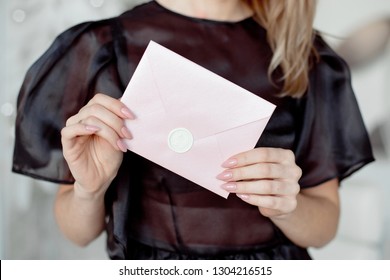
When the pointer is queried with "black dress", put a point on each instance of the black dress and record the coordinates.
(153, 213)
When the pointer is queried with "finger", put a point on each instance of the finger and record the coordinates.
(112, 104)
(105, 132)
(70, 134)
(276, 203)
(270, 155)
(263, 187)
(255, 171)
(103, 114)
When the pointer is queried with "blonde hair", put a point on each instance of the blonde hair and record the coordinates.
(289, 25)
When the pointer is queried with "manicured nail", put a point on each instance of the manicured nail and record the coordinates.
(126, 133)
(121, 145)
(127, 113)
(243, 196)
(92, 128)
(231, 162)
(224, 176)
(229, 187)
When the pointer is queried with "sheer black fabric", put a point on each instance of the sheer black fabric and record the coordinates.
(152, 212)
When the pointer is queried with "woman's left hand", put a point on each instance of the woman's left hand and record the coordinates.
(264, 177)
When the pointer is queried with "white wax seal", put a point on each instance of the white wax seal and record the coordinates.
(180, 140)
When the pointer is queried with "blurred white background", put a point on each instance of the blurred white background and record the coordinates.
(27, 227)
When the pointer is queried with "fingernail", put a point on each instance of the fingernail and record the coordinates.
(224, 176)
(92, 128)
(229, 187)
(231, 162)
(243, 196)
(121, 145)
(126, 133)
(127, 113)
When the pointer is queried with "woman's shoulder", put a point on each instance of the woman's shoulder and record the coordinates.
(321, 46)
(328, 61)
(326, 53)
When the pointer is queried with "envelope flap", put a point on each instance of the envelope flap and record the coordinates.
(200, 99)
(142, 94)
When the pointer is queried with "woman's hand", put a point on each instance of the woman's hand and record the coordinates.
(264, 177)
(92, 142)
(268, 178)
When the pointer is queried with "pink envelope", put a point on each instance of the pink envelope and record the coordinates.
(188, 119)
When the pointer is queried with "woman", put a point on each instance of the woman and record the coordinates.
(286, 188)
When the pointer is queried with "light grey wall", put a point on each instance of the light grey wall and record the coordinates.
(2, 125)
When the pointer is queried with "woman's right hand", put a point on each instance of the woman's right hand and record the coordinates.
(92, 143)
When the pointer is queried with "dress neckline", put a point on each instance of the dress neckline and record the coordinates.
(202, 20)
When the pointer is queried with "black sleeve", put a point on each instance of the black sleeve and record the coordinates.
(77, 65)
(333, 141)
